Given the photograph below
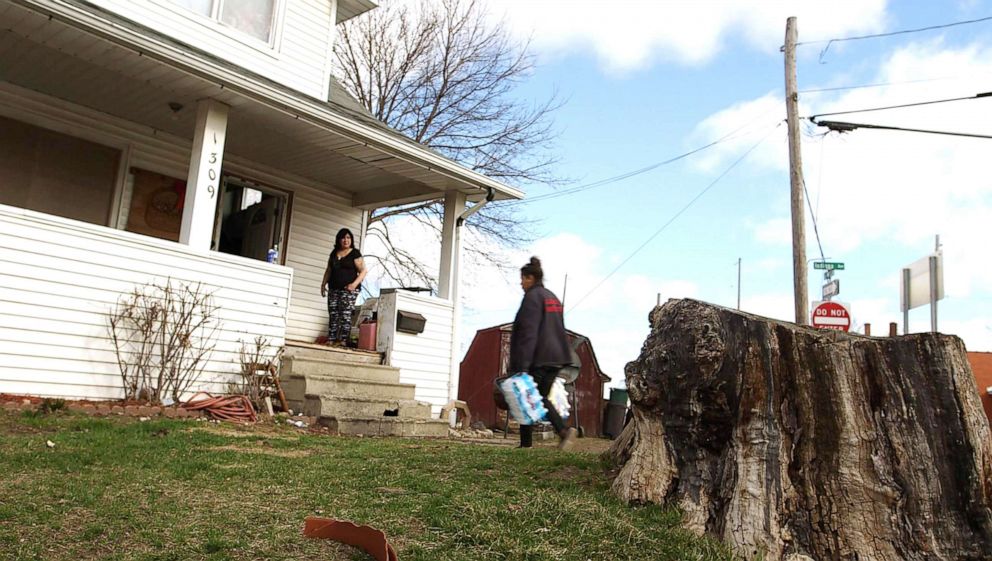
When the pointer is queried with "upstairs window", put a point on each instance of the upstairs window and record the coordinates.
(251, 17)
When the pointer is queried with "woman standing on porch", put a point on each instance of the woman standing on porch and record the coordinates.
(343, 277)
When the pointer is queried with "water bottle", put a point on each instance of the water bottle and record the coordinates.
(273, 255)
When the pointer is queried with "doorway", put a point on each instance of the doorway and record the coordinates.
(251, 219)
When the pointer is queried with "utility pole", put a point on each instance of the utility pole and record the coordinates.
(799, 276)
(738, 283)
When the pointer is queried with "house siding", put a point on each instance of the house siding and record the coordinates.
(303, 32)
(69, 275)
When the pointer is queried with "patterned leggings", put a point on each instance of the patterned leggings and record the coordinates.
(340, 304)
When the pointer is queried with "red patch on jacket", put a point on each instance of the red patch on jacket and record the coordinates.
(553, 306)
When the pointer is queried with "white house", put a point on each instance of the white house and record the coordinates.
(146, 139)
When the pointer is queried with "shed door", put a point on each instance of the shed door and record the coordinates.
(504, 351)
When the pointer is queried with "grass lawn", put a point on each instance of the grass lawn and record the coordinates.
(175, 490)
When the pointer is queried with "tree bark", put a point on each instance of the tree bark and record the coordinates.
(789, 441)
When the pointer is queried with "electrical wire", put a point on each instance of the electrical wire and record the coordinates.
(882, 84)
(816, 229)
(901, 106)
(841, 126)
(573, 190)
(673, 218)
(888, 34)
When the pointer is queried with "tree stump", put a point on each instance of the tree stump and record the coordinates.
(790, 442)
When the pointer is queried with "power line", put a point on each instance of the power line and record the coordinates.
(916, 104)
(841, 126)
(816, 229)
(882, 84)
(621, 177)
(673, 218)
(890, 33)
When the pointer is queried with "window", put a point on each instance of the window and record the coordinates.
(252, 17)
(156, 206)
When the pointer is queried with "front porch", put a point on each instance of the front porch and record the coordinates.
(93, 82)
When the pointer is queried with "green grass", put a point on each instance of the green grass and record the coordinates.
(172, 490)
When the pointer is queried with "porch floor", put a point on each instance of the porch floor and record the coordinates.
(340, 354)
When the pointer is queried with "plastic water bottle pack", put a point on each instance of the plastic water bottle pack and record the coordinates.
(525, 402)
(523, 399)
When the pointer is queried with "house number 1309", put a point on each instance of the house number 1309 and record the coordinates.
(212, 172)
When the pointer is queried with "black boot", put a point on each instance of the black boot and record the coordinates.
(526, 436)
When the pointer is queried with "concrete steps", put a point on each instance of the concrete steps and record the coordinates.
(349, 392)
(306, 366)
(334, 406)
(309, 350)
(386, 426)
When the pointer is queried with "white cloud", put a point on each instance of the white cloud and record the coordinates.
(628, 34)
(741, 126)
(872, 187)
(771, 305)
(776, 231)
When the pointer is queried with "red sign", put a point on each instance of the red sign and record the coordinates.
(831, 315)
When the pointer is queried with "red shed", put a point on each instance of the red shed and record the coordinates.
(486, 360)
(981, 366)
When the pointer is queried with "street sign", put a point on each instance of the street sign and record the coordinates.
(830, 266)
(831, 315)
(831, 289)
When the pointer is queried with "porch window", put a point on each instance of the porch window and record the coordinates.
(252, 17)
(156, 205)
(251, 219)
(55, 173)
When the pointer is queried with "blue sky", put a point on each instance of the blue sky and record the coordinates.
(646, 81)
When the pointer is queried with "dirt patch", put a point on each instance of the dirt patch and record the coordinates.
(261, 449)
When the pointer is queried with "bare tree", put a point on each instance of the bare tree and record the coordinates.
(163, 336)
(442, 73)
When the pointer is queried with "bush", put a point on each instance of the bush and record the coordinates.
(163, 336)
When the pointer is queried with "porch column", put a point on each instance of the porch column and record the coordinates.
(447, 282)
(203, 182)
(454, 206)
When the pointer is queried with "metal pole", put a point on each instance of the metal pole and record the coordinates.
(905, 302)
(933, 293)
(799, 279)
(738, 283)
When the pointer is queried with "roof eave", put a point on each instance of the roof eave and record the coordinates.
(281, 98)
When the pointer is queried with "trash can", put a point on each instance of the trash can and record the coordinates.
(618, 395)
(615, 414)
(367, 336)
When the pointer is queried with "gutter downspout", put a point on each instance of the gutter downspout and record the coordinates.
(490, 195)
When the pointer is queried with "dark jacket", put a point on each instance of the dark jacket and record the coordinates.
(539, 337)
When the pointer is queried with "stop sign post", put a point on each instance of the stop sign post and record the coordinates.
(831, 315)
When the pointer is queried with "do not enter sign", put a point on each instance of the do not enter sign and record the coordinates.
(831, 315)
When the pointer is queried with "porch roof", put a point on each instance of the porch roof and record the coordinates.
(84, 55)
